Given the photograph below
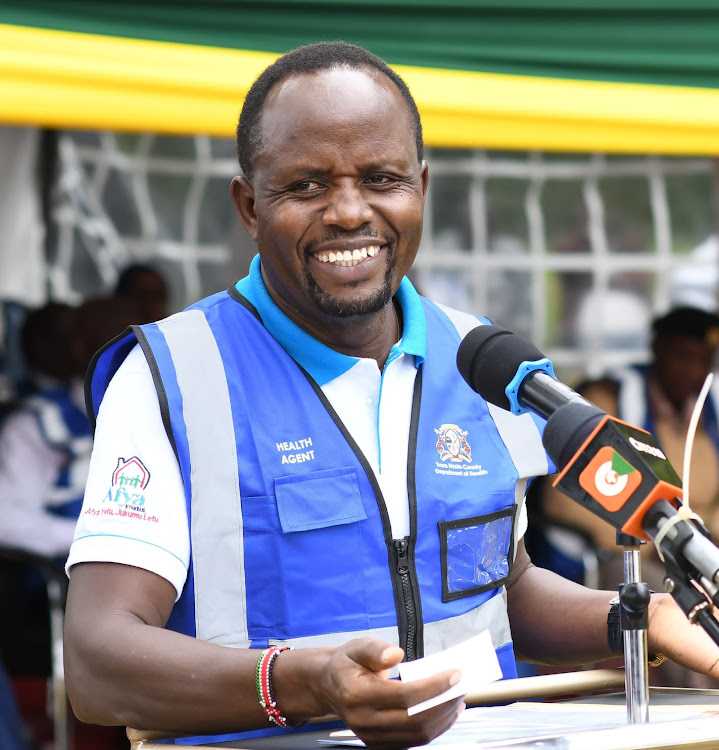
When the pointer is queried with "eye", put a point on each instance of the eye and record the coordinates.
(306, 186)
(380, 180)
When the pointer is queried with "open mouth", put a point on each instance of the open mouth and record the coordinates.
(347, 257)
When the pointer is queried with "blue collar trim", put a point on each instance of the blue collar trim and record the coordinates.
(321, 362)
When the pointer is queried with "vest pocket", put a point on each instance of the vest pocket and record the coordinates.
(305, 557)
(476, 553)
(318, 500)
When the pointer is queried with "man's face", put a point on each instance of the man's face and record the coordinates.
(681, 365)
(336, 200)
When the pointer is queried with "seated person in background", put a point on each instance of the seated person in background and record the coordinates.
(46, 350)
(45, 446)
(144, 284)
(658, 397)
(45, 443)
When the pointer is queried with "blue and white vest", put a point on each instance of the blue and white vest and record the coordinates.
(290, 537)
(64, 426)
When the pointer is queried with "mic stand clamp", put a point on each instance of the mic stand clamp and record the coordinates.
(693, 601)
(634, 618)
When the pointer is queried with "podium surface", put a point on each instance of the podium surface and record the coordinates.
(678, 718)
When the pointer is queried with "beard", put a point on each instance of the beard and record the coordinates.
(367, 305)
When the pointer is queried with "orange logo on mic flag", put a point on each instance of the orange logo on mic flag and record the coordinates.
(610, 479)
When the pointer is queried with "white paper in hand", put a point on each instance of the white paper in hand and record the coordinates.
(475, 658)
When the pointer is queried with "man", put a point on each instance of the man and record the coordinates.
(303, 408)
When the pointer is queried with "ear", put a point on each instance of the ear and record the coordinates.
(243, 196)
(424, 176)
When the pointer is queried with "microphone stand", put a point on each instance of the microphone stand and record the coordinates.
(634, 619)
(693, 585)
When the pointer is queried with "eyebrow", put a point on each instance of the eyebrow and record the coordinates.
(392, 164)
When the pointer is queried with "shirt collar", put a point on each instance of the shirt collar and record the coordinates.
(321, 362)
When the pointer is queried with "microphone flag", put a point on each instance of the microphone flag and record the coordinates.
(619, 463)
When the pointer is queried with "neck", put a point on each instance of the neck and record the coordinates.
(366, 336)
(668, 409)
(369, 336)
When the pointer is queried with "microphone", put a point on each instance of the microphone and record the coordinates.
(510, 372)
(614, 469)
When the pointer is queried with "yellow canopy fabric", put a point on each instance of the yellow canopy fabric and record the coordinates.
(63, 79)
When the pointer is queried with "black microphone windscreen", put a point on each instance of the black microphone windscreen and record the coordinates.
(488, 359)
(568, 428)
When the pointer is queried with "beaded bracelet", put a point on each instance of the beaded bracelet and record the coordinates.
(263, 681)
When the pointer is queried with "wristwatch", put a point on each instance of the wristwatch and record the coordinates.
(615, 635)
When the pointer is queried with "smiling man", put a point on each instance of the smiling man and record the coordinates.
(292, 529)
(333, 195)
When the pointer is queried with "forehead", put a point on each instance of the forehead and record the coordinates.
(324, 114)
(680, 345)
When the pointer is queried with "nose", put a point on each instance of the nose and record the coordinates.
(347, 207)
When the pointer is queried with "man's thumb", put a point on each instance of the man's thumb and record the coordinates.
(377, 655)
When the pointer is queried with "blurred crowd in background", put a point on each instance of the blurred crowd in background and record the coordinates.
(45, 446)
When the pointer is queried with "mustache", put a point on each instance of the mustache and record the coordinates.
(362, 232)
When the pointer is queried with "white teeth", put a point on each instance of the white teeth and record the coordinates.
(348, 257)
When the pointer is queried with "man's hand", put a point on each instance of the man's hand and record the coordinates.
(356, 686)
(671, 634)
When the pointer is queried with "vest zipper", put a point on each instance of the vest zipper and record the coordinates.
(408, 624)
(400, 552)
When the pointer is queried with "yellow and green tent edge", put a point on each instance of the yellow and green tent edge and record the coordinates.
(74, 80)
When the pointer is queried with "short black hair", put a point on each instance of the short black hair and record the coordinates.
(310, 59)
(124, 287)
(691, 323)
(52, 322)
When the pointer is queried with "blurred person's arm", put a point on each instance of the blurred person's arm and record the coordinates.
(28, 470)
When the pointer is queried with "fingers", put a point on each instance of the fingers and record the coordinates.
(395, 729)
(375, 707)
(418, 691)
(374, 655)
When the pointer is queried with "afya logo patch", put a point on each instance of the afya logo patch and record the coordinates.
(130, 473)
(452, 444)
(126, 493)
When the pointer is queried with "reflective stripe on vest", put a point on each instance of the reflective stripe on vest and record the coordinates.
(492, 616)
(217, 537)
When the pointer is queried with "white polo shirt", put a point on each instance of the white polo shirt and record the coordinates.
(374, 406)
